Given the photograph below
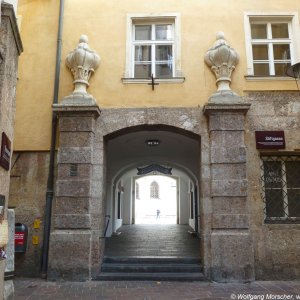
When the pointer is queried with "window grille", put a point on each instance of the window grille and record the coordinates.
(281, 188)
(154, 190)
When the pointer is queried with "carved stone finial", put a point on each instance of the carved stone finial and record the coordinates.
(222, 59)
(82, 62)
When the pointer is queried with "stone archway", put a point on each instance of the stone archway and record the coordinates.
(79, 220)
(177, 148)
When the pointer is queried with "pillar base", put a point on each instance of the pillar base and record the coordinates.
(232, 256)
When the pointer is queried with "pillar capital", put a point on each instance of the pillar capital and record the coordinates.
(221, 108)
(70, 110)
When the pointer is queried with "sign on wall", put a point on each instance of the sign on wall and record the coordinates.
(5, 152)
(270, 139)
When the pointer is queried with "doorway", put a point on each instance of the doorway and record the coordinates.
(152, 175)
(156, 200)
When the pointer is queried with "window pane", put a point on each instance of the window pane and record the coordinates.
(142, 32)
(261, 69)
(280, 69)
(142, 71)
(260, 52)
(294, 202)
(293, 185)
(280, 31)
(274, 203)
(259, 31)
(164, 53)
(163, 32)
(273, 189)
(293, 174)
(142, 53)
(272, 174)
(281, 51)
(164, 70)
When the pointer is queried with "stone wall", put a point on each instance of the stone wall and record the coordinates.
(277, 246)
(10, 49)
(27, 194)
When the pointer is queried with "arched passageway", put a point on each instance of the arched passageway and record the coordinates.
(135, 157)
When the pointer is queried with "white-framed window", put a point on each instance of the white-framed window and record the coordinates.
(281, 188)
(153, 48)
(271, 43)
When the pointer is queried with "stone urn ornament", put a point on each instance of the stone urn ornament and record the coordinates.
(222, 60)
(82, 62)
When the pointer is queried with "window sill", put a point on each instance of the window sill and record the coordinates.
(156, 80)
(290, 221)
(268, 78)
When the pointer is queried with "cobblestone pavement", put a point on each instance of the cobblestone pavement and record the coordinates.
(37, 289)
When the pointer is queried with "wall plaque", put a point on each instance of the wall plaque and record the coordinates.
(5, 152)
(73, 170)
(270, 139)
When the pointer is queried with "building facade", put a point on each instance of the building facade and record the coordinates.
(10, 49)
(198, 88)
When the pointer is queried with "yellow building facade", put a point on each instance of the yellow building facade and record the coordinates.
(108, 21)
(163, 80)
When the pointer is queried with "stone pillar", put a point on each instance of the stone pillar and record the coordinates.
(75, 241)
(232, 257)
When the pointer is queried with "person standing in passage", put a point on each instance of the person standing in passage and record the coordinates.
(157, 213)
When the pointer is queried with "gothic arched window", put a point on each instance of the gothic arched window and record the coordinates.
(154, 190)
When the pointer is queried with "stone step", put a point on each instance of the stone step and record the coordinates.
(151, 276)
(150, 268)
(151, 260)
(162, 268)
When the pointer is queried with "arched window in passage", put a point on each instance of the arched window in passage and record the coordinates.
(154, 190)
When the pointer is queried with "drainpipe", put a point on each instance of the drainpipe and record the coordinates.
(50, 182)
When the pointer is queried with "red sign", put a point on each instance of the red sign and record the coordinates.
(270, 139)
(5, 152)
(19, 238)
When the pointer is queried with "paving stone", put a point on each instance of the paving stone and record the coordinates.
(31, 289)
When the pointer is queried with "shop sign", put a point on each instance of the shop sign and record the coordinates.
(5, 152)
(270, 139)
